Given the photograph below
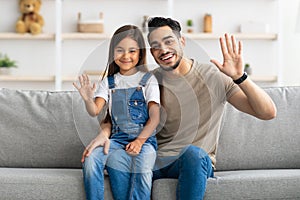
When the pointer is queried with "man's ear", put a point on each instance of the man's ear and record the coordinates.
(182, 40)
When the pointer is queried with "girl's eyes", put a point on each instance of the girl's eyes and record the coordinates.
(119, 50)
(132, 50)
(129, 51)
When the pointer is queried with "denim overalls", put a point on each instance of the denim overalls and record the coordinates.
(129, 112)
(130, 176)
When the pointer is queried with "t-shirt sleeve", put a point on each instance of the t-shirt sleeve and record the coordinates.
(102, 90)
(152, 90)
(222, 87)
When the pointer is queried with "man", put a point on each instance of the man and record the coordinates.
(193, 96)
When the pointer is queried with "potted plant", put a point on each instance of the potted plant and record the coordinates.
(248, 69)
(189, 24)
(6, 64)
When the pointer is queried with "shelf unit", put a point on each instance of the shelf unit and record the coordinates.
(59, 37)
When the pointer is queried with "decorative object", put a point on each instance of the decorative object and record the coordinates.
(90, 26)
(145, 23)
(248, 69)
(30, 21)
(254, 27)
(6, 64)
(190, 28)
(207, 23)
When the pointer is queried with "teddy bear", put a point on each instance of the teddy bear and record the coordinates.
(30, 21)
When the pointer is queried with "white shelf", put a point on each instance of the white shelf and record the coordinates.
(266, 79)
(103, 36)
(27, 78)
(27, 36)
(244, 36)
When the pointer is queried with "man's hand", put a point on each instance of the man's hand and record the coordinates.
(100, 140)
(232, 58)
(86, 89)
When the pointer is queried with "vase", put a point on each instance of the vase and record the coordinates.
(5, 71)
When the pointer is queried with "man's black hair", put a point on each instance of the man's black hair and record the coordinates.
(157, 22)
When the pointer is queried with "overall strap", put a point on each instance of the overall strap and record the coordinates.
(145, 78)
(111, 82)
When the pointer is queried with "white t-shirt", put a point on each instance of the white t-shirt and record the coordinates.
(151, 89)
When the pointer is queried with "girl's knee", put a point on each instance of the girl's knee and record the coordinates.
(96, 158)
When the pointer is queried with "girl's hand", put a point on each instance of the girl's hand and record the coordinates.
(134, 147)
(86, 89)
(232, 58)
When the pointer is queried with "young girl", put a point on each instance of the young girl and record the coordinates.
(132, 94)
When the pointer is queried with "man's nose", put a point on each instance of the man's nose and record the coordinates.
(163, 48)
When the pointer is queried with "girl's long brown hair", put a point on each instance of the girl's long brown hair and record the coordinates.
(126, 31)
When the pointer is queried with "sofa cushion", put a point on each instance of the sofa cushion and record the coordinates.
(43, 129)
(38, 184)
(44, 184)
(249, 143)
(245, 184)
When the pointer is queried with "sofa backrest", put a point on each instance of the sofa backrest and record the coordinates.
(43, 129)
(51, 129)
(249, 143)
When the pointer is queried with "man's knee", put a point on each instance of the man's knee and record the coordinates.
(194, 154)
(196, 158)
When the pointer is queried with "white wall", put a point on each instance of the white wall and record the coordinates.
(290, 42)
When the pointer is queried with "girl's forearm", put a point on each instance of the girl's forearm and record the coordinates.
(152, 122)
(91, 107)
(105, 128)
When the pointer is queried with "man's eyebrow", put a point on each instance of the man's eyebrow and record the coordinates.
(154, 42)
(165, 38)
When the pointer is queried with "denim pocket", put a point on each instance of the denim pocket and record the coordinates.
(138, 111)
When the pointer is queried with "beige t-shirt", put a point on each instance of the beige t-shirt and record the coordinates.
(192, 108)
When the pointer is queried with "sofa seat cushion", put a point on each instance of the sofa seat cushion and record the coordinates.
(22, 183)
(43, 184)
(245, 184)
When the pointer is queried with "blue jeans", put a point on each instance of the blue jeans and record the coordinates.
(130, 176)
(192, 168)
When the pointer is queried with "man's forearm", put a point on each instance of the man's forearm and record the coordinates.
(259, 100)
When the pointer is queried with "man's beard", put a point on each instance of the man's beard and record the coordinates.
(172, 67)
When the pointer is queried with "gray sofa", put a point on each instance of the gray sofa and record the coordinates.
(43, 134)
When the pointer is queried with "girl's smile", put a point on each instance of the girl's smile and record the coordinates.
(126, 56)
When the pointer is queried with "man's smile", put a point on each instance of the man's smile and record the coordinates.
(167, 57)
